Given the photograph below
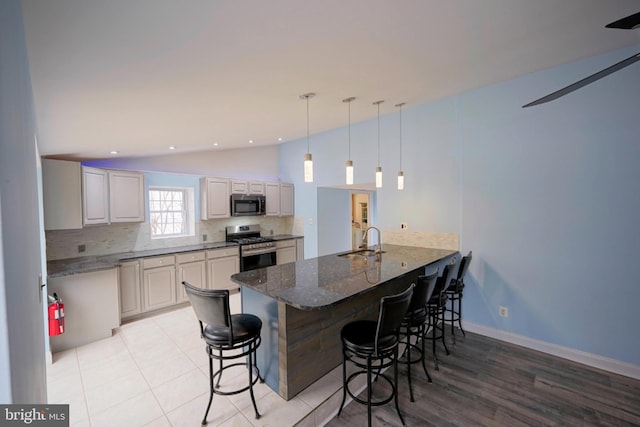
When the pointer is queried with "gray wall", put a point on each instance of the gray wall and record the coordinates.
(22, 349)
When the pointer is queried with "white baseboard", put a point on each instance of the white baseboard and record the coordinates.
(590, 359)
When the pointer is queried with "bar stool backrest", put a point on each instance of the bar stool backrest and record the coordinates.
(444, 281)
(211, 307)
(464, 266)
(392, 311)
(423, 291)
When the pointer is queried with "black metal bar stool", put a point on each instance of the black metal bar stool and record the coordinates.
(414, 323)
(224, 334)
(373, 345)
(436, 307)
(454, 294)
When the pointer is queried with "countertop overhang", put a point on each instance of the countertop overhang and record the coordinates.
(319, 283)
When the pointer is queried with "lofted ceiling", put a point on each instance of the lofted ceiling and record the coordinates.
(140, 76)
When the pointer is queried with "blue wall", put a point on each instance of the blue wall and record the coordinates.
(546, 197)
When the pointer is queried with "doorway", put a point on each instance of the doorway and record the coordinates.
(361, 210)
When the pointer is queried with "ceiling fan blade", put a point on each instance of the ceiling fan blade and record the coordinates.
(587, 80)
(628, 23)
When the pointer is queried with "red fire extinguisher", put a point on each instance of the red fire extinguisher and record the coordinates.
(56, 315)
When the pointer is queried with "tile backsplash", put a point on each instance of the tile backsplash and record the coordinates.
(449, 241)
(118, 238)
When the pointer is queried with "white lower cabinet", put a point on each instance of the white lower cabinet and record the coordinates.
(222, 264)
(153, 283)
(129, 280)
(191, 269)
(286, 251)
(158, 282)
(300, 248)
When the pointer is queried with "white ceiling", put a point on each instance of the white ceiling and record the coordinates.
(140, 76)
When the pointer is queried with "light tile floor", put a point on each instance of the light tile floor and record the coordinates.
(154, 372)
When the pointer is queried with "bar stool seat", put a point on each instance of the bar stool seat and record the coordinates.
(373, 345)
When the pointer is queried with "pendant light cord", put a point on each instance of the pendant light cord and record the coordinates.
(378, 132)
(349, 105)
(307, 96)
(400, 137)
(400, 106)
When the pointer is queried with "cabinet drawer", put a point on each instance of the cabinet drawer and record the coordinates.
(160, 261)
(221, 253)
(190, 257)
(285, 243)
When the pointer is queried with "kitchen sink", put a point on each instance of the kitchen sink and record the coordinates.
(360, 253)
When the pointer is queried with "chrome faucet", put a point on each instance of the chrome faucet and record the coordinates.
(365, 244)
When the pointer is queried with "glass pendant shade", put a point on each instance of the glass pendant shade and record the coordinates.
(349, 172)
(379, 177)
(308, 168)
(400, 180)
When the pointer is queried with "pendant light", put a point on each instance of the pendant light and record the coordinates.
(349, 168)
(378, 168)
(400, 173)
(308, 163)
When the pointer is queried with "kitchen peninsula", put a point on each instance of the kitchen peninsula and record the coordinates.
(303, 306)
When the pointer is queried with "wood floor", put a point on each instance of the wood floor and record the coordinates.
(486, 382)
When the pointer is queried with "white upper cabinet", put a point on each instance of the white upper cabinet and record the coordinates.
(286, 200)
(95, 196)
(126, 196)
(272, 196)
(256, 187)
(112, 196)
(214, 198)
(279, 197)
(239, 186)
(62, 194)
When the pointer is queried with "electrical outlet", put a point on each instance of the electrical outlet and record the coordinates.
(503, 311)
(204, 237)
(404, 225)
(82, 248)
(310, 221)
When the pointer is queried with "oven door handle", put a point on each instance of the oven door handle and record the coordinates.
(251, 252)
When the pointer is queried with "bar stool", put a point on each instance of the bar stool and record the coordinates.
(436, 307)
(377, 343)
(228, 337)
(454, 294)
(414, 323)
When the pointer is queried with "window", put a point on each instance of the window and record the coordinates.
(170, 212)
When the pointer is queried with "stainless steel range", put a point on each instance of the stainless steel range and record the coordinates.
(255, 251)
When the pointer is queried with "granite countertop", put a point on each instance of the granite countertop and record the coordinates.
(88, 264)
(285, 237)
(318, 283)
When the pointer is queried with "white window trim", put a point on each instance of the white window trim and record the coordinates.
(189, 211)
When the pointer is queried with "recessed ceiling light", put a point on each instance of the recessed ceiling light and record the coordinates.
(280, 138)
(113, 152)
(215, 144)
(172, 148)
(251, 141)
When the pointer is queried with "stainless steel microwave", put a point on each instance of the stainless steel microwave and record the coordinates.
(247, 205)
